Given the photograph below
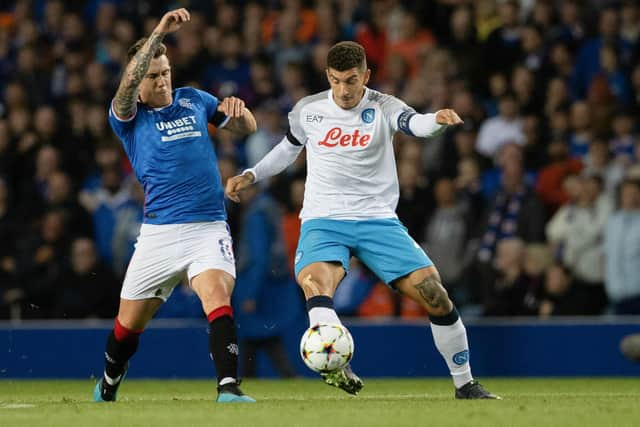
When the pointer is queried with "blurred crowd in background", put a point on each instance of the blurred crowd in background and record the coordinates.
(531, 207)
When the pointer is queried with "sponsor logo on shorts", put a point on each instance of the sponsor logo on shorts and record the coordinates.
(226, 249)
(298, 256)
(461, 358)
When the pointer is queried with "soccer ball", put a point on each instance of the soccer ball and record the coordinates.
(325, 348)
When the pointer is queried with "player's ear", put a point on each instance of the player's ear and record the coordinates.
(367, 76)
(326, 72)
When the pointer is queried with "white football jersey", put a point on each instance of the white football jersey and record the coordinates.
(351, 168)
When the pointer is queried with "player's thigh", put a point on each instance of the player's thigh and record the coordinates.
(327, 243)
(214, 288)
(425, 287)
(135, 314)
(384, 245)
(154, 269)
(320, 278)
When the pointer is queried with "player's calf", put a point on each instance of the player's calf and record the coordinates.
(223, 347)
(122, 344)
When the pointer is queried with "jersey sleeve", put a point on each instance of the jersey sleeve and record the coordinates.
(123, 128)
(215, 117)
(397, 113)
(296, 134)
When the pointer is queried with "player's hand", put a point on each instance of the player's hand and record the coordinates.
(236, 184)
(232, 107)
(448, 117)
(173, 20)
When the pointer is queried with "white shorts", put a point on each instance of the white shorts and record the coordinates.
(169, 253)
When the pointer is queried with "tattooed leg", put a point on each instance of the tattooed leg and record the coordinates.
(424, 287)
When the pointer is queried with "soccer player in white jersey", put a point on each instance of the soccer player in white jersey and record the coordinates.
(350, 200)
(184, 235)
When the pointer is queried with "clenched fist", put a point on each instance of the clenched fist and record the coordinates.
(236, 184)
(448, 117)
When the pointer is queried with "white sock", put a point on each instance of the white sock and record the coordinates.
(323, 315)
(451, 341)
(112, 381)
(227, 380)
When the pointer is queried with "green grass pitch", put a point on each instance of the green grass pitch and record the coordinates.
(309, 403)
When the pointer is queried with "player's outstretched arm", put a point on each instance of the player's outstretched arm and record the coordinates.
(124, 103)
(241, 120)
(276, 160)
(426, 125)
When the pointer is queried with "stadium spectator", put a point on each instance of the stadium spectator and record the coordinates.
(576, 232)
(581, 129)
(10, 292)
(550, 186)
(415, 198)
(510, 293)
(110, 206)
(446, 238)
(621, 250)
(265, 298)
(86, 287)
(502, 129)
(60, 195)
(588, 61)
(41, 259)
(598, 162)
(561, 297)
(503, 46)
(514, 211)
(622, 145)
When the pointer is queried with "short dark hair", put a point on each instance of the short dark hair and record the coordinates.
(161, 50)
(344, 56)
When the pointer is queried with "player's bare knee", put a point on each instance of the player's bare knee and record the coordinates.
(434, 294)
(312, 285)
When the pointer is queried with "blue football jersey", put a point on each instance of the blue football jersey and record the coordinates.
(173, 157)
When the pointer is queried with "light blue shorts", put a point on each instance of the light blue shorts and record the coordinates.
(383, 245)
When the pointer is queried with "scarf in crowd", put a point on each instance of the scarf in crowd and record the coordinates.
(503, 222)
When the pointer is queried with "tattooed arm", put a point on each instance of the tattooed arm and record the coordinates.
(124, 103)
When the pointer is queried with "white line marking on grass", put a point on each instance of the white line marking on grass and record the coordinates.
(16, 405)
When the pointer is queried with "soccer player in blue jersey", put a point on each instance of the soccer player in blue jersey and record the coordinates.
(184, 234)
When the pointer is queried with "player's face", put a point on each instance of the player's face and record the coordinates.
(155, 88)
(347, 86)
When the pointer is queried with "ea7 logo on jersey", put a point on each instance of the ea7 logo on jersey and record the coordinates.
(368, 115)
(314, 118)
(335, 138)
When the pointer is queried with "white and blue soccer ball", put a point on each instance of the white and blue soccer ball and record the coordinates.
(326, 348)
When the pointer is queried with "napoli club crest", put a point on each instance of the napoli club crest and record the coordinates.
(368, 115)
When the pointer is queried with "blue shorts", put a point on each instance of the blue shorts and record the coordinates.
(383, 245)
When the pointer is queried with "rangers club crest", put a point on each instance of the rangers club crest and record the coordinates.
(226, 249)
(368, 115)
(185, 103)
